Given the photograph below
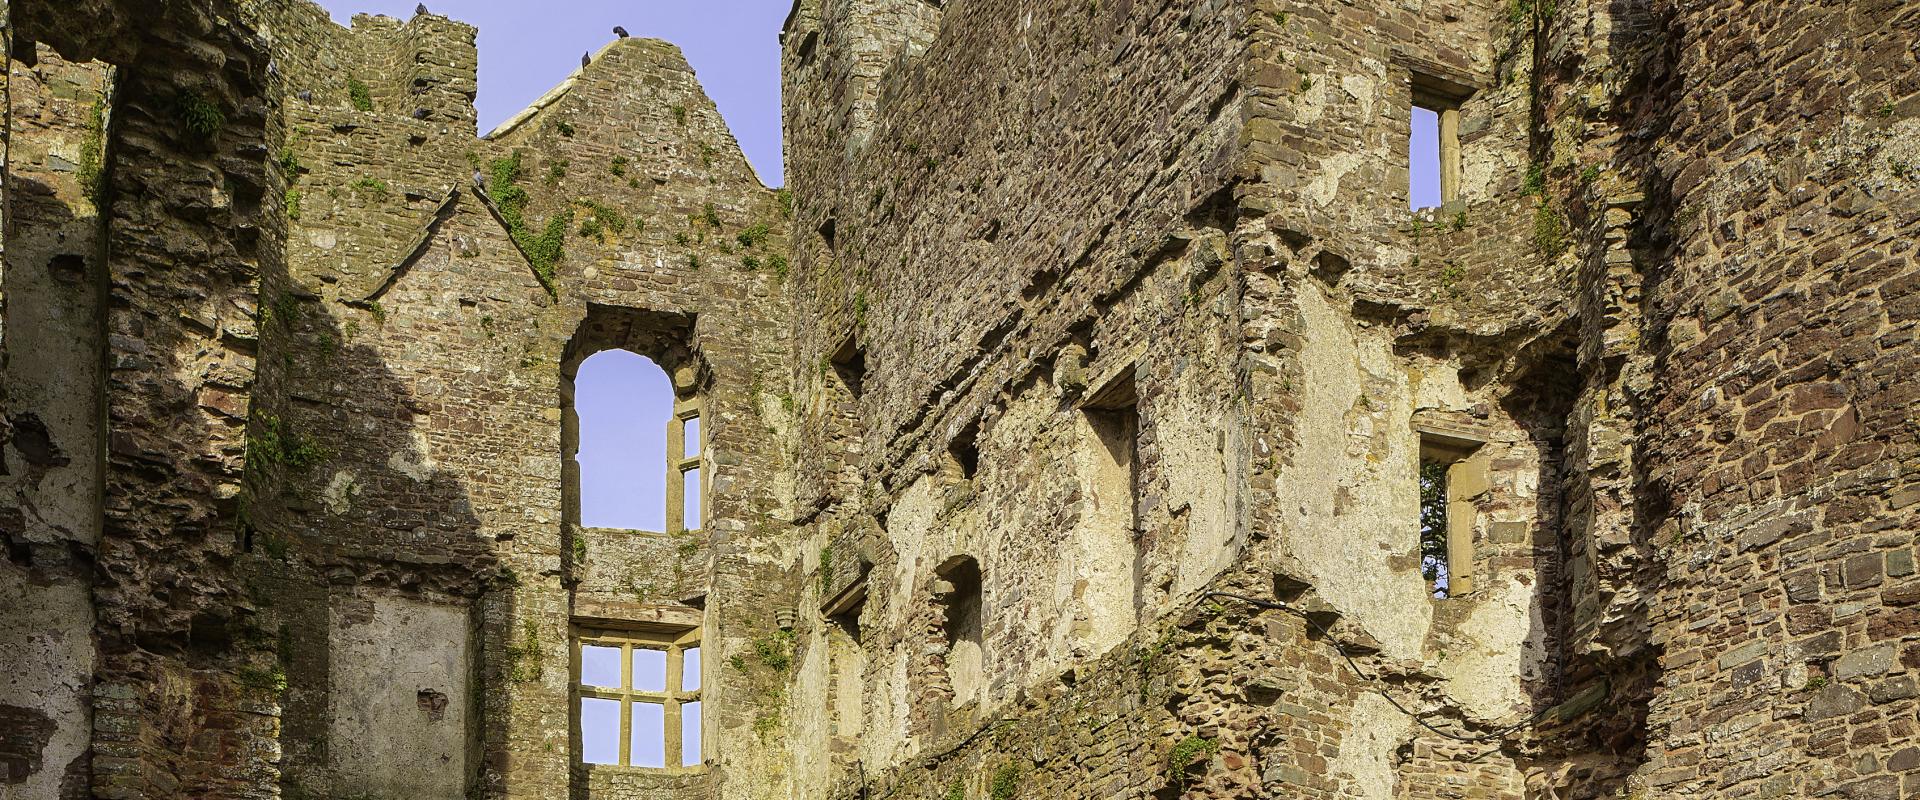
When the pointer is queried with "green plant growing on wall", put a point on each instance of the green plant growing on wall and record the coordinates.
(1460, 221)
(601, 219)
(91, 172)
(1816, 683)
(707, 155)
(779, 264)
(1549, 230)
(1590, 174)
(371, 185)
(765, 724)
(860, 310)
(618, 166)
(1188, 752)
(579, 547)
(775, 650)
(956, 790)
(710, 215)
(679, 113)
(359, 95)
(753, 235)
(526, 662)
(269, 680)
(556, 171)
(784, 197)
(273, 441)
(750, 262)
(543, 249)
(1005, 784)
(1536, 180)
(565, 128)
(201, 118)
(826, 569)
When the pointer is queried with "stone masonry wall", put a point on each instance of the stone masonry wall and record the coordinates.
(1116, 307)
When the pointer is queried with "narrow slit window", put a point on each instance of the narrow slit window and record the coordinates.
(1423, 150)
(686, 495)
(690, 494)
(1452, 479)
(1433, 526)
(1433, 143)
(640, 700)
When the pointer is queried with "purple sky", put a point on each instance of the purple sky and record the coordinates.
(1424, 145)
(527, 48)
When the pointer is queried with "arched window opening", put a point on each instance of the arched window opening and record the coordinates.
(626, 409)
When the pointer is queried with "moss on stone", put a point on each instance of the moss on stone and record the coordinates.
(359, 95)
(92, 172)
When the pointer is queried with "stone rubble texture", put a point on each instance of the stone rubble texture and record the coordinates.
(290, 508)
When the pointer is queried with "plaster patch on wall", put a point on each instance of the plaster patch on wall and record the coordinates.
(1326, 183)
(1375, 729)
(386, 652)
(1351, 504)
(45, 670)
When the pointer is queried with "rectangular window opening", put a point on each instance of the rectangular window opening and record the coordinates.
(1433, 145)
(639, 699)
(1453, 473)
(1433, 526)
(691, 510)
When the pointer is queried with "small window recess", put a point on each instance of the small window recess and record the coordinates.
(1435, 162)
(1451, 480)
(1112, 414)
(957, 590)
(963, 452)
(850, 365)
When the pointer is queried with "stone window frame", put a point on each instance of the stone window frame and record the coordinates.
(1444, 97)
(679, 463)
(675, 642)
(1469, 478)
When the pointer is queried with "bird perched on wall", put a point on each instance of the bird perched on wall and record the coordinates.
(420, 113)
(620, 32)
(420, 10)
(586, 59)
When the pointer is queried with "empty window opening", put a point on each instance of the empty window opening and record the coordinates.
(1433, 145)
(1108, 541)
(1433, 526)
(1452, 478)
(640, 699)
(957, 591)
(687, 494)
(624, 401)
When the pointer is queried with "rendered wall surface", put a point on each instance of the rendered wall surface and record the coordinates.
(1062, 417)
